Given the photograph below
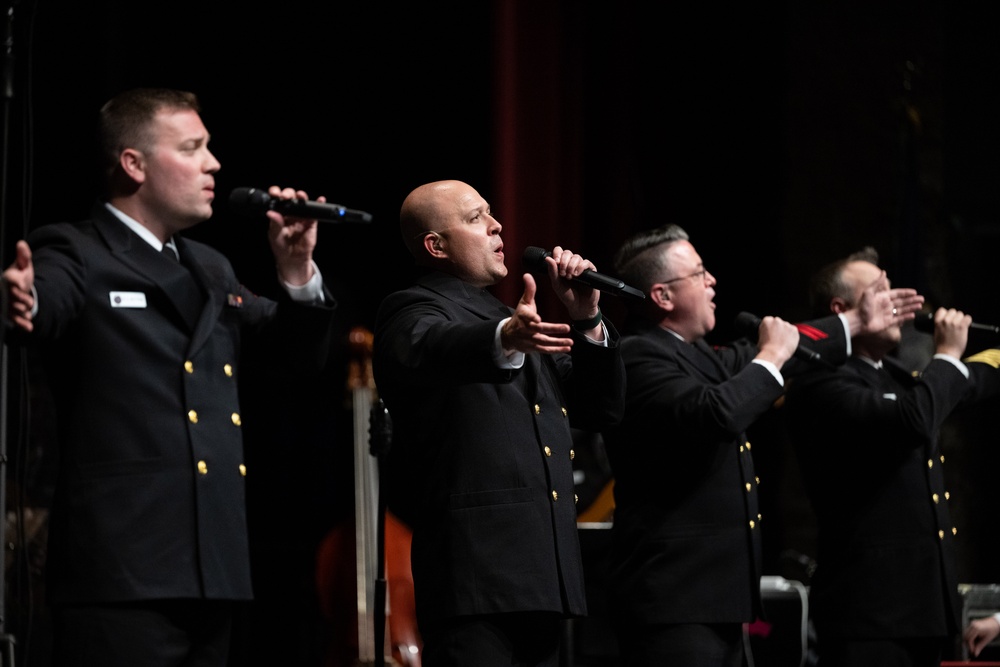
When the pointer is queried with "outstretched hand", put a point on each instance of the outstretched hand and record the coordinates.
(292, 239)
(526, 332)
(19, 278)
(881, 307)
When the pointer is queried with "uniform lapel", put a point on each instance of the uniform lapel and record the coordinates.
(476, 300)
(708, 361)
(169, 277)
(210, 287)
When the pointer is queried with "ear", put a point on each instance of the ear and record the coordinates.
(133, 163)
(434, 245)
(660, 296)
(838, 305)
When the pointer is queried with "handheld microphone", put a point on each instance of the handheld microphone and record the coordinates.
(534, 258)
(253, 200)
(925, 322)
(748, 326)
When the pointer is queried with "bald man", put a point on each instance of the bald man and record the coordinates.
(482, 398)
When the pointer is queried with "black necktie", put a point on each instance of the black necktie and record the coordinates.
(169, 252)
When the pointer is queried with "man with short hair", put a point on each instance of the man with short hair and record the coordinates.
(139, 329)
(885, 590)
(685, 543)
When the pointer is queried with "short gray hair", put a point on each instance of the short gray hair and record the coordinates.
(637, 263)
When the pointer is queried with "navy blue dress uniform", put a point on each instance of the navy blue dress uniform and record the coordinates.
(481, 459)
(686, 541)
(142, 354)
(886, 565)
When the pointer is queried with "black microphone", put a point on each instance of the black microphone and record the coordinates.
(925, 322)
(253, 200)
(748, 326)
(534, 258)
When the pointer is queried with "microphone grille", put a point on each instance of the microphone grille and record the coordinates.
(249, 197)
(534, 256)
(747, 324)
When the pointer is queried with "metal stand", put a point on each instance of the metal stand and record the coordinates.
(380, 441)
(8, 67)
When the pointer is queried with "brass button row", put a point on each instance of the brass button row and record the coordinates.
(203, 468)
(227, 368)
(538, 409)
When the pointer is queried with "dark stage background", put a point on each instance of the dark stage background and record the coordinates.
(781, 136)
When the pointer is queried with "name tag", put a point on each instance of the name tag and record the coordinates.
(127, 299)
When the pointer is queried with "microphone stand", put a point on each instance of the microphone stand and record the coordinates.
(380, 430)
(8, 95)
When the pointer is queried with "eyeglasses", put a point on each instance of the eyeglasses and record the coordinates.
(700, 275)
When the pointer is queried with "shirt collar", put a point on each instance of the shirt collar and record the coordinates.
(139, 229)
(871, 362)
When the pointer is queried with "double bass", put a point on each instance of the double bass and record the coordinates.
(352, 583)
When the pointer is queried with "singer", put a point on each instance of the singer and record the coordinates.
(482, 398)
(686, 549)
(140, 329)
(885, 589)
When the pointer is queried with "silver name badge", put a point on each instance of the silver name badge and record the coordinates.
(127, 299)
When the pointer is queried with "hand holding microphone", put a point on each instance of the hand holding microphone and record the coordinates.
(534, 259)
(925, 322)
(748, 326)
(254, 200)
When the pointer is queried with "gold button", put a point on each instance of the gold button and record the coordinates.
(936, 498)
(748, 487)
(228, 370)
(236, 418)
(576, 498)
(954, 530)
(942, 458)
(202, 467)
(748, 445)
(947, 495)
(940, 534)
(538, 409)
(572, 454)
(243, 470)
(193, 416)
(555, 495)
(741, 449)
(752, 524)
(189, 366)
(756, 479)
(548, 451)
(930, 463)
(759, 517)
(564, 412)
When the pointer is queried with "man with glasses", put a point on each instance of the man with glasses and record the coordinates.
(686, 549)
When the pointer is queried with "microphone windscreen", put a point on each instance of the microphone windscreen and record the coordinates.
(747, 325)
(249, 197)
(534, 257)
